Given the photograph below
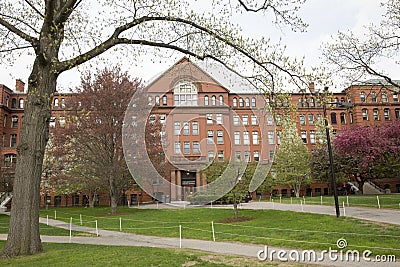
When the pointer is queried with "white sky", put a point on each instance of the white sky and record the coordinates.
(325, 19)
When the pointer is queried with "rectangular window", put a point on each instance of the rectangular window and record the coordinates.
(220, 155)
(376, 114)
(270, 120)
(271, 137)
(271, 155)
(302, 120)
(195, 128)
(209, 118)
(304, 136)
(395, 98)
(162, 118)
(237, 138)
(311, 119)
(256, 156)
(14, 122)
(186, 128)
(386, 114)
(238, 155)
(210, 137)
(13, 140)
(254, 120)
(196, 148)
(177, 128)
(219, 118)
(236, 120)
(255, 138)
(247, 156)
(4, 140)
(61, 120)
(312, 137)
(245, 120)
(220, 137)
(246, 138)
(186, 147)
(177, 148)
(210, 155)
(164, 100)
(52, 122)
(176, 100)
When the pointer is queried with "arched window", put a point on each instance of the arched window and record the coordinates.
(213, 100)
(351, 117)
(235, 102)
(14, 122)
(267, 101)
(221, 100)
(373, 97)
(364, 112)
(362, 97)
(56, 102)
(241, 102)
(312, 103)
(300, 102)
(247, 100)
(384, 97)
(386, 114)
(206, 100)
(376, 114)
(342, 99)
(333, 118)
(253, 102)
(13, 103)
(164, 100)
(305, 102)
(7, 101)
(21, 103)
(157, 100)
(185, 94)
(342, 118)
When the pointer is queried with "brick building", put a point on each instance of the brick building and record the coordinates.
(205, 121)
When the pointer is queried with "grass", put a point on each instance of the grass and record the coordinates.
(391, 201)
(269, 227)
(92, 255)
(44, 229)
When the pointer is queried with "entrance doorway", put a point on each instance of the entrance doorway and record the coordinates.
(188, 184)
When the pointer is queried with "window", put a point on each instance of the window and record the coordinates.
(10, 159)
(152, 119)
(221, 100)
(364, 112)
(185, 94)
(150, 101)
(219, 118)
(312, 137)
(52, 122)
(236, 121)
(220, 137)
(157, 100)
(270, 120)
(164, 100)
(195, 128)
(163, 118)
(253, 102)
(302, 119)
(238, 155)
(342, 118)
(305, 102)
(351, 117)
(254, 120)
(278, 137)
(4, 140)
(247, 100)
(333, 118)
(311, 119)
(177, 148)
(235, 102)
(395, 97)
(213, 100)
(186, 148)
(373, 97)
(62, 102)
(300, 102)
(386, 114)
(245, 120)
(397, 113)
(21, 103)
(246, 138)
(210, 155)
(13, 103)
(196, 148)
(237, 138)
(267, 101)
(247, 156)
(271, 155)
(384, 97)
(256, 156)
(241, 102)
(61, 121)
(304, 136)
(209, 118)
(56, 102)
(362, 97)
(210, 137)
(186, 128)
(14, 122)
(206, 101)
(255, 138)
(312, 102)
(177, 128)
(278, 119)
(376, 114)
(13, 140)
(7, 100)
(220, 155)
(271, 137)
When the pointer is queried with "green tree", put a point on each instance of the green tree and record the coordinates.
(62, 34)
(292, 159)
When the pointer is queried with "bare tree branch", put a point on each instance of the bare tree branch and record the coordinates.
(34, 8)
(32, 40)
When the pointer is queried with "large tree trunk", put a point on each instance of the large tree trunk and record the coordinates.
(23, 235)
(113, 194)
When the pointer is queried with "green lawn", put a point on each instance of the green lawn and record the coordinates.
(91, 255)
(269, 227)
(391, 201)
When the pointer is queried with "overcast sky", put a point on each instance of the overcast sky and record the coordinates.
(325, 19)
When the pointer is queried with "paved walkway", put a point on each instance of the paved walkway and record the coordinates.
(249, 250)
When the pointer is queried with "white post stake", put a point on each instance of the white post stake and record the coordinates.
(70, 230)
(321, 200)
(157, 204)
(280, 199)
(120, 224)
(55, 215)
(259, 200)
(213, 232)
(291, 200)
(347, 200)
(273, 204)
(211, 204)
(301, 204)
(344, 210)
(304, 200)
(377, 199)
(80, 218)
(47, 218)
(180, 236)
(184, 205)
(97, 229)
(129, 204)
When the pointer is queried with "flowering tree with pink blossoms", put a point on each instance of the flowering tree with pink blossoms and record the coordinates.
(372, 152)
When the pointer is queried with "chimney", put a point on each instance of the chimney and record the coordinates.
(312, 87)
(19, 86)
